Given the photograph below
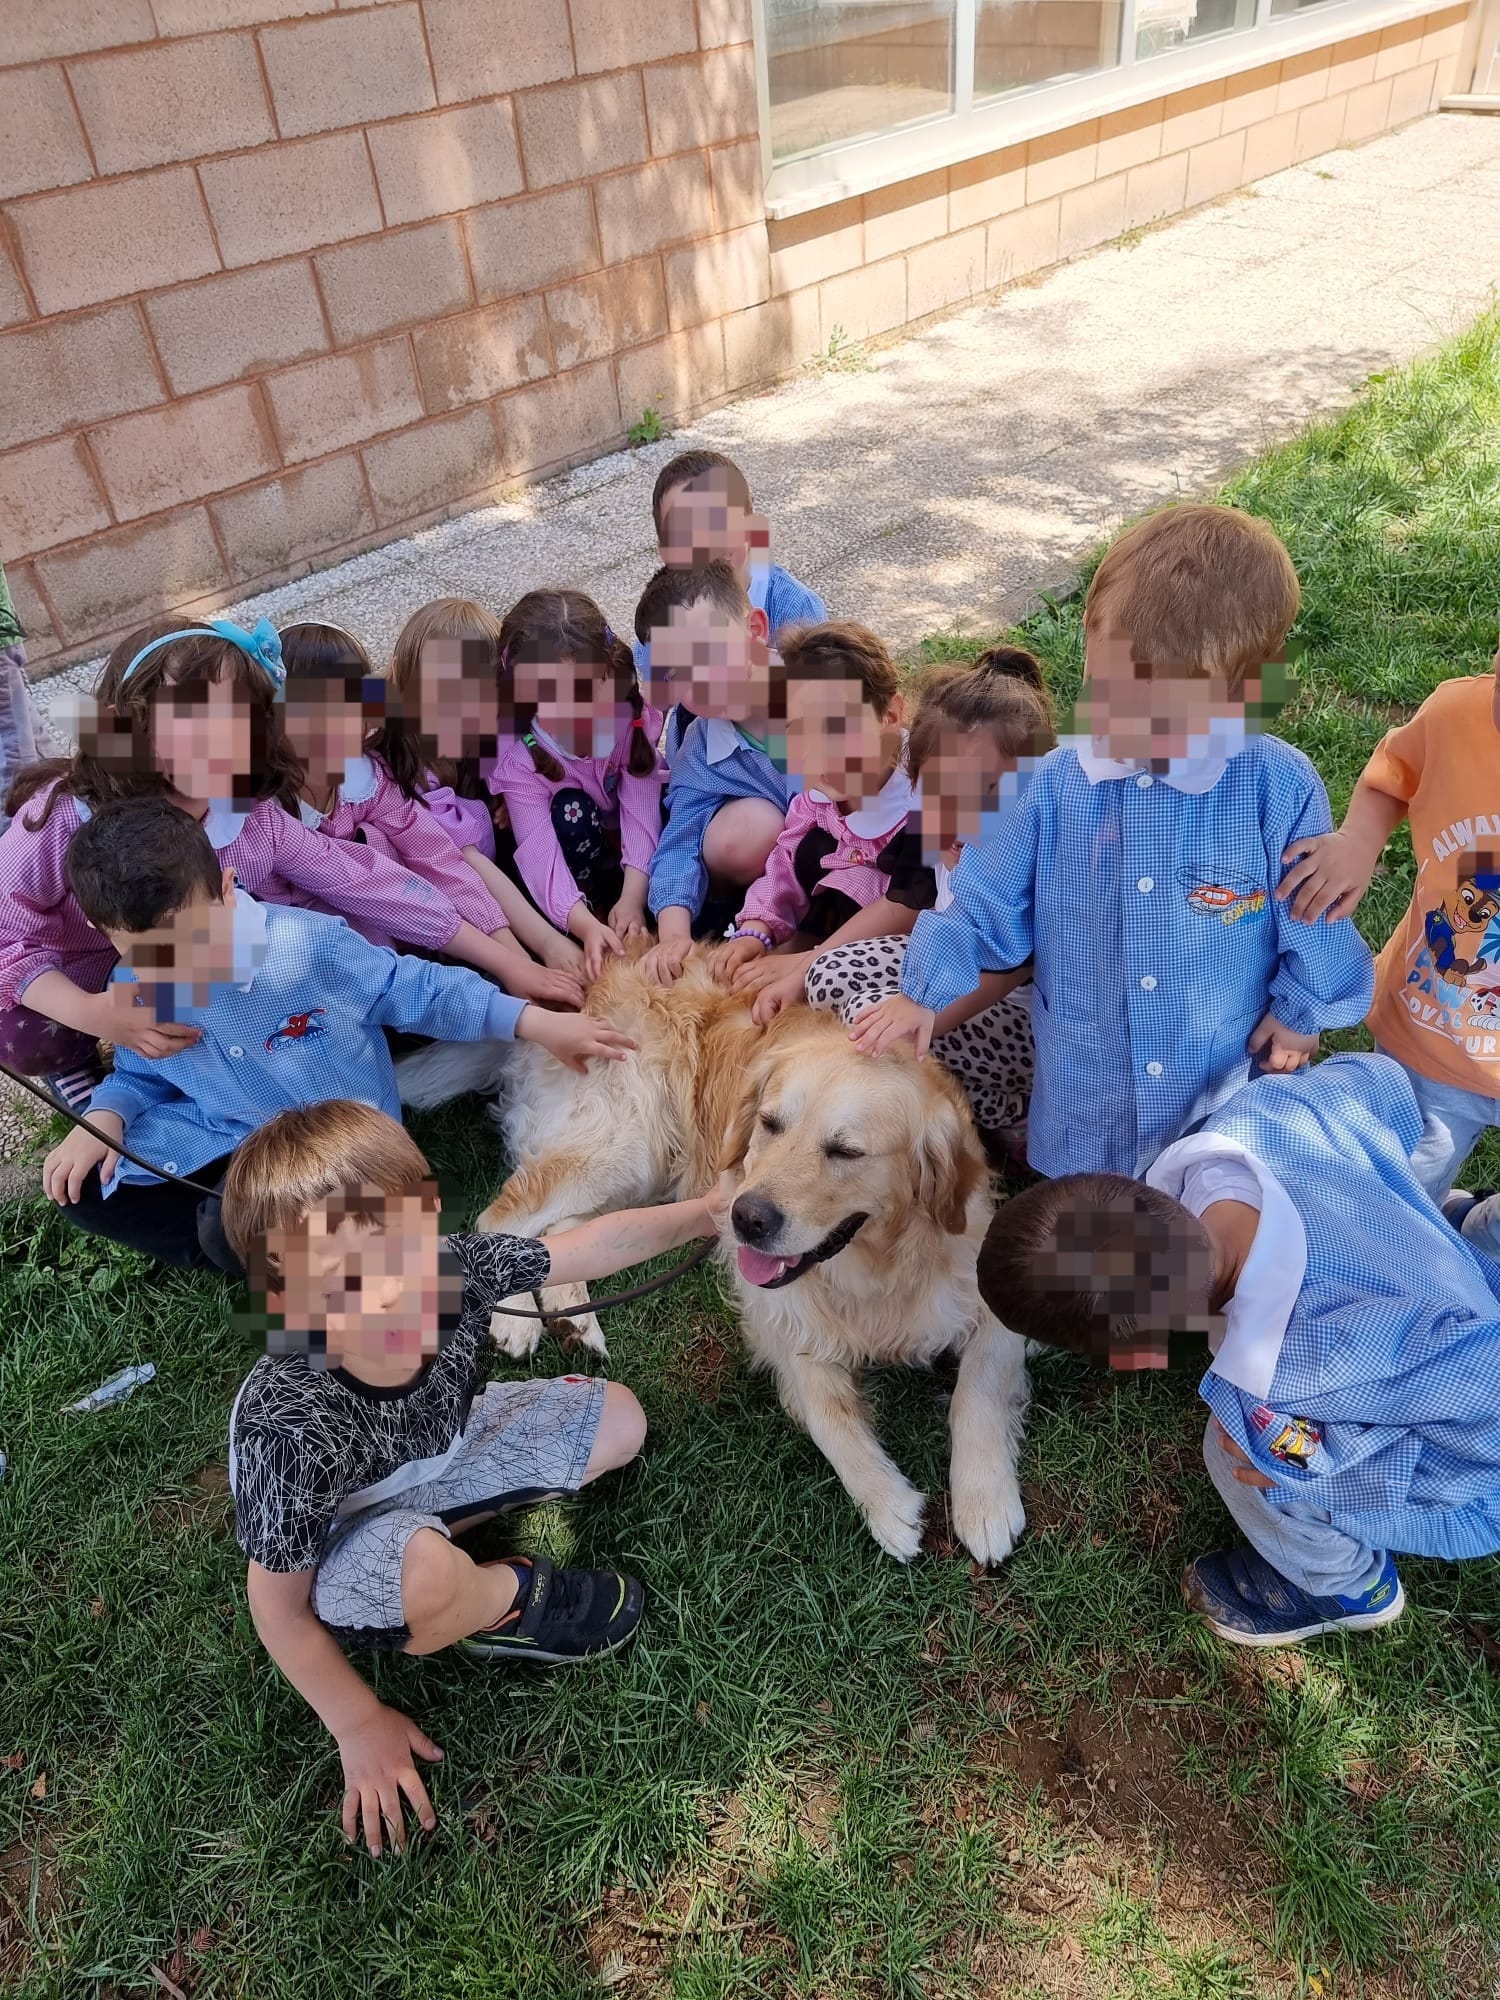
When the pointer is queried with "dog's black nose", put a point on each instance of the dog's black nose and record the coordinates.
(755, 1218)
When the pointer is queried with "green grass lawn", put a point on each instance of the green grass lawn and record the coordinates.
(817, 1773)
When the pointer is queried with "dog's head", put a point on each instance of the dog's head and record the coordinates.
(827, 1141)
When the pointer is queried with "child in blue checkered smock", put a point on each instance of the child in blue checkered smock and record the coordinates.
(1138, 868)
(1354, 1382)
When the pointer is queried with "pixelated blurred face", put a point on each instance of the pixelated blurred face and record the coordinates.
(1115, 1258)
(575, 702)
(703, 523)
(326, 723)
(371, 1289)
(1147, 711)
(194, 947)
(836, 743)
(717, 665)
(456, 697)
(201, 737)
(960, 784)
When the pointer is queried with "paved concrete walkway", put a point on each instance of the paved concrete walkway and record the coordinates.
(939, 485)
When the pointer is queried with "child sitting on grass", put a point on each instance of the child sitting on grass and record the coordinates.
(729, 789)
(703, 514)
(333, 699)
(1139, 869)
(975, 741)
(284, 1007)
(845, 740)
(1354, 1382)
(580, 774)
(363, 1440)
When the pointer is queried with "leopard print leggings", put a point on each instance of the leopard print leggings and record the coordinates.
(990, 1055)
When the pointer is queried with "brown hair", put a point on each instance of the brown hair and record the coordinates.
(1199, 590)
(311, 651)
(300, 1159)
(557, 625)
(691, 469)
(672, 590)
(840, 651)
(122, 762)
(1003, 693)
(401, 743)
(1079, 1262)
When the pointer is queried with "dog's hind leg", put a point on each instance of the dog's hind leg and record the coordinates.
(546, 1197)
(825, 1399)
(986, 1418)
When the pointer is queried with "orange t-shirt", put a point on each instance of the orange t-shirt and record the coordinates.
(1437, 982)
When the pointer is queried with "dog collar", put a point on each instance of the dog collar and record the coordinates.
(836, 1240)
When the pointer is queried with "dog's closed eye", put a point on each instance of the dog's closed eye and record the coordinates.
(836, 1149)
(772, 1125)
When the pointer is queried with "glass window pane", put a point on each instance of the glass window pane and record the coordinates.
(1021, 42)
(1281, 8)
(1166, 24)
(847, 69)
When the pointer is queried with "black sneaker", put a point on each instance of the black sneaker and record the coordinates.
(567, 1614)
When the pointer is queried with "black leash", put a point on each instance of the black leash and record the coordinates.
(198, 1187)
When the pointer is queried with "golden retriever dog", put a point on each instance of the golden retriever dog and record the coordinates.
(861, 1199)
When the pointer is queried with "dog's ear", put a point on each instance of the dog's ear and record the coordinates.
(948, 1170)
(742, 1119)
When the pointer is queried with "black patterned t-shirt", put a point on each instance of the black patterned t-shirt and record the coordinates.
(306, 1442)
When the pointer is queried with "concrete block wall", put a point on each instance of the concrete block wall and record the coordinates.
(280, 279)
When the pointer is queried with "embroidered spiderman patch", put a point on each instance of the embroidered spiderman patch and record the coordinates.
(297, 1028)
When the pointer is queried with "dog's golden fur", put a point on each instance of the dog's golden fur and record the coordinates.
(890, 1140)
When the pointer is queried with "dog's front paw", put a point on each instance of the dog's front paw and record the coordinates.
(516, 1337)
(989, 1519)
(895, 1520)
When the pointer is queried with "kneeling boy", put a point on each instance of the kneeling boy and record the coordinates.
(363, 1438)
(1355, 1338)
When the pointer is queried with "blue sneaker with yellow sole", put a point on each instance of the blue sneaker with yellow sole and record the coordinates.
(1238, 1595)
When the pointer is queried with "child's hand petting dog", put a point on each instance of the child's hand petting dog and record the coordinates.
(726, 959)
(530, 981)
(890, 1021)
(627, 919)
(599, 942)
(663, 963)
(1278, 1048)
(573, 1038)
(774, 989)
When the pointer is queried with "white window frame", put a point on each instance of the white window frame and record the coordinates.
(820, 179)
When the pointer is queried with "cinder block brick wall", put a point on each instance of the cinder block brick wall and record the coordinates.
(282, 278)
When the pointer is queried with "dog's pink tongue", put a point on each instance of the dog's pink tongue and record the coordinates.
(756, 1268)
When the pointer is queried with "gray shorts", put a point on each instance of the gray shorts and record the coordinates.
(523, 1441)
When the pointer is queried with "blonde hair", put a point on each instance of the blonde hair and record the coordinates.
(300, 1159)
(399, 742)
(1198, 590)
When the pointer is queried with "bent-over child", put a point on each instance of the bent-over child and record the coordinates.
(365, 1438)
(1354, 1379)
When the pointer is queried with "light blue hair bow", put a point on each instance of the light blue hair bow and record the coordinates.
(261, 644)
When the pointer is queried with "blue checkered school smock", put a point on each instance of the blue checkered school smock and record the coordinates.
(1392, 1351)
(1157, 940)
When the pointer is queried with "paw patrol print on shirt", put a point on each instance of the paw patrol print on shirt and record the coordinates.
(297, 1028)
(1452, 986)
